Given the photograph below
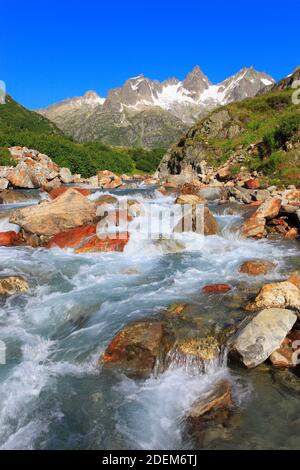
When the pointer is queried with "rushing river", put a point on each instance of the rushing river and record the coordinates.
(54, 396)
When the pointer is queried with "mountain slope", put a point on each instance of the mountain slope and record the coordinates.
(150, 113)
(261, 134)
(15, 118)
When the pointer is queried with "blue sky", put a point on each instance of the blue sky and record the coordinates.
(51, 50)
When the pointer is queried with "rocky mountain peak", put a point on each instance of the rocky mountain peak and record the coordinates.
(196, 82)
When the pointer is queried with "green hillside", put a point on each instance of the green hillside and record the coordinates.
(19, 126)
(16, 118)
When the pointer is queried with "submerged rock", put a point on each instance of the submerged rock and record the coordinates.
(212, 410)
(67, 211)
(138, 347)
(175, 310)
(262, 335)
(257, 267)
(13, 285)
(216, 288)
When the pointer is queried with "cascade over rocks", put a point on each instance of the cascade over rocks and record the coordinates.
(138, 347)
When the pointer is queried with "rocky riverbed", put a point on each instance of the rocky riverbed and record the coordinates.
(153, 343)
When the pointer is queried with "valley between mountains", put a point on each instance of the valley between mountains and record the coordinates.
(126, 323)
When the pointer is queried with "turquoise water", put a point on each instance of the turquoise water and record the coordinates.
(53, 395)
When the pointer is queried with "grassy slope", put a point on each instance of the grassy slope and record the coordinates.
(261, 119)
(14, 117)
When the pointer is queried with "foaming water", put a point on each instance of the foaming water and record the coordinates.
(53, 395)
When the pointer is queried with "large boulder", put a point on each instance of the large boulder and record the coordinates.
(216, 288)
(13, 285)
(138, 347)
(262, 335)
(104, 243)
(67, 211)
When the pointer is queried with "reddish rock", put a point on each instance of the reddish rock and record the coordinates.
(295, 279)
(284, 356)
(211, 412)
(10, 239)
(95, 244)
(270, 208)
(252, 184)
(256, 267)
(216, 288)
(137, 347)
(72, 238)
(291, 234)
(58, 191)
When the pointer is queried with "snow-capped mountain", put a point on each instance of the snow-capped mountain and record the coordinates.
(180, 103)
